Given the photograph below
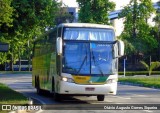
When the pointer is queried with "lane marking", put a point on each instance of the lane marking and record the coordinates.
(124, 97)
(142, 95)
(148, 111)
(118, 103)
(101, 102)
(137, 94)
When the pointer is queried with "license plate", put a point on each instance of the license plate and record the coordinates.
(89, 88)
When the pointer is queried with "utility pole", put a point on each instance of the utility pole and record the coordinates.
(124, 65)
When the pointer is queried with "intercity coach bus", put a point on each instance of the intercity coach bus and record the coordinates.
(77, 59)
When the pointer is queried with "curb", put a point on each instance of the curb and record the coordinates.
(135, 84)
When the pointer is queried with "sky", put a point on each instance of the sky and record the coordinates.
(119, 3)
(70, 3)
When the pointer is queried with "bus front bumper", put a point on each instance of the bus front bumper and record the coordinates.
(78, 89)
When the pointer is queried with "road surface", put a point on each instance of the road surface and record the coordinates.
(126, 95)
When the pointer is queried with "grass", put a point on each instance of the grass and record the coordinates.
(9, 96)
(144, 81)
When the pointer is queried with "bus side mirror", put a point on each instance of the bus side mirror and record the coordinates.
(59, 45)
(120, 48)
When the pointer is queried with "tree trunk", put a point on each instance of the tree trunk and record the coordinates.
(19, 57)
(29, 63)
(11, 63)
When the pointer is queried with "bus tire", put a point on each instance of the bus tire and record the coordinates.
(39, 91)
(53, 85)
(100, 97)
(57, 97)
(35, 81)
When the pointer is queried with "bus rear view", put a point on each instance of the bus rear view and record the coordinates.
(87, 60)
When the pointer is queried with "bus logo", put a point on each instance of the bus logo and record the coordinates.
(90, 82)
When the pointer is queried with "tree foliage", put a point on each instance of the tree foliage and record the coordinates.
(137, 33)
(62, 16)
(157, 21)
(157, 18)
(25, 19)
(95, 11)
(151, 67)
(6, 12)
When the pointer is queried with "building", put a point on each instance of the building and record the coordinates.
(74, 11)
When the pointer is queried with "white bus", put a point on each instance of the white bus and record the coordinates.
(77, 59)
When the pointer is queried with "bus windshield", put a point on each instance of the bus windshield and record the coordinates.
(88, 58)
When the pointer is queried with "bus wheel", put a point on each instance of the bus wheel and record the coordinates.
(100, 97)
(57, 97)
(39, 91)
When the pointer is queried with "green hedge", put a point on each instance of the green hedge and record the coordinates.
(132, 73)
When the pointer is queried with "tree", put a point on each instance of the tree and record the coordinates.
(137, 33)
(157, 19)
(95, 11)
(63, 16)
(151, 67)
(156, 29)
(6, 12)
(29, 19)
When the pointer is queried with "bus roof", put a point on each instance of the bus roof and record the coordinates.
(90, 25)
(83, 25)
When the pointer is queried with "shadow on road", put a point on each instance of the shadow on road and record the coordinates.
(66, 99)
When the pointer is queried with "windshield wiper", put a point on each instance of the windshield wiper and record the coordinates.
(97, 64)
(85, 58)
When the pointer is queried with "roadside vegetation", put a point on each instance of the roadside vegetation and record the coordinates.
(142, 81)
(153, 65)
(9, 96)
(22, 21)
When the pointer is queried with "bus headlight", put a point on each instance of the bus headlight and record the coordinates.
(65, 79)
(109, 81)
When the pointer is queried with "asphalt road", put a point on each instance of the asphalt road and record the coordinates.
(126, 94)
